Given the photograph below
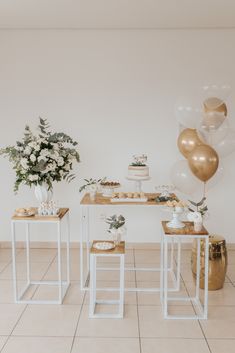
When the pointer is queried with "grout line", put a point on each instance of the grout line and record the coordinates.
(80, 29)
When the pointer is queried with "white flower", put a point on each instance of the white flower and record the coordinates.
(67, 167)
(33, 144)
(24, 163)
(42, 158)
(28, 150)
(61, 172)
(60, 161)
(33, 177)
(37, 148)
(44, 152)
(32, 158)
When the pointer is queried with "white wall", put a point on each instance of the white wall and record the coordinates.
(114, 91)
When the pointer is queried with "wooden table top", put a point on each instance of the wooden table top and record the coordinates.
(101, 200)
(36, 217)
(120, 249)
(187, 230)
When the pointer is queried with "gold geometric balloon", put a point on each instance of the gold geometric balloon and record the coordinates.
(203, 162)
(188, 140)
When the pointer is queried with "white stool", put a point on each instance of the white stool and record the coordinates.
(118, 251)
(169, 234)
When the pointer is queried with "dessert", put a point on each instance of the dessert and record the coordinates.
(138, 168)
(110, 184)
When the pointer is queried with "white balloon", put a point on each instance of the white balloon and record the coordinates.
(188, 113)
(217, 177)
(226, 146)
(221, 91)
(183, 179)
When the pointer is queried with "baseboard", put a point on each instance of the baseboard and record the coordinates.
(76, 245)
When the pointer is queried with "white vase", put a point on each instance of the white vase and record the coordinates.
(42, 193)
(198, 226)
(117, 235)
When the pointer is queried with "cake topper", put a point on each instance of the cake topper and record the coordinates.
(139, 161)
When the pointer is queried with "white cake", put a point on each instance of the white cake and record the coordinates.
(138, 172)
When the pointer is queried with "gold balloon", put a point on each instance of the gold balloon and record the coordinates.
(188, 140)
(214, 104)
(203, 162)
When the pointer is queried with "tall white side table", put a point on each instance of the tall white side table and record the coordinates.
(62, 285)
(201, 308)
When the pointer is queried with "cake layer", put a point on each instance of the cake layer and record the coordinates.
(138, 171)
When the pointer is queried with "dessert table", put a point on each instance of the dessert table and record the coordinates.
(100, 201)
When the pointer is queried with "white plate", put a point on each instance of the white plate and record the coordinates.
(126, 199)
(104, 245)
(26, 214)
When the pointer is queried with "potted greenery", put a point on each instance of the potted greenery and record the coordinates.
(116, 227)
(41, 159)
(92, 186)
(197, 213)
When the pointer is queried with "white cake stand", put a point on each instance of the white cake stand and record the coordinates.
(138, 182)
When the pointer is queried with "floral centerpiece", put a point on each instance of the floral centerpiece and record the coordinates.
(42, 158)
(116, 227)
(92, 186)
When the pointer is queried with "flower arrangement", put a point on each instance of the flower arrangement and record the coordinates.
(44, 157)
(139, 161)
(115, 222)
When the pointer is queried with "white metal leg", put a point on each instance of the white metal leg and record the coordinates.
(28, 252)
(201, 308)
(14, 261)
(59, 262)
(68, 249)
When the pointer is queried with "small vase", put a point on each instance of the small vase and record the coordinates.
(198, 226)
(117, 235)
(42, 193)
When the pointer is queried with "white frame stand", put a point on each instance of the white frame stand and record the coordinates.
(201, 309)
(93, 288)
(61, 284)
(85, 266)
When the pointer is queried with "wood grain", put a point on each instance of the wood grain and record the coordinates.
(120, 249)
(187, 230)
(101, 200)
(58, 217)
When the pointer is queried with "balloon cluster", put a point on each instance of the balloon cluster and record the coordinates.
(205, 138)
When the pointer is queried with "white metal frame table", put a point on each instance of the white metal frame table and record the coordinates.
(100, 201)
(118, 251)
(169, 234)
(62, 285)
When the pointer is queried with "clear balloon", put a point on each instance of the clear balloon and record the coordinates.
(226, 146)
(188, 113)
(222, 91)
(208, 132)
(183, 179)
(216, 178)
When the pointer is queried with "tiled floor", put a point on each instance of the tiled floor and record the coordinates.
(67, 329)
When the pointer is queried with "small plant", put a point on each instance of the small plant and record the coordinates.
(139, 161)
(115, 222)
(91, 182)
(200, 207)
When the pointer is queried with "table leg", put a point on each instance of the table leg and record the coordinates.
(206, 277)
(28, 253)
(198, 269)
(121, 296)
(14, 261)
(84, 236)
(165, 294)
(68, 249)
(59, 262)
